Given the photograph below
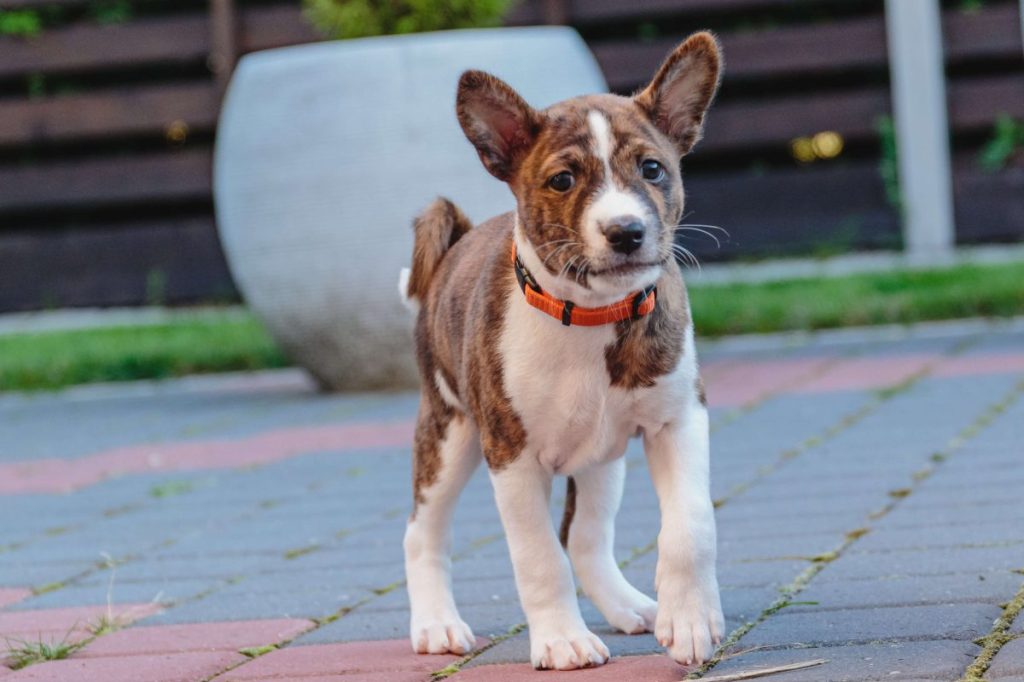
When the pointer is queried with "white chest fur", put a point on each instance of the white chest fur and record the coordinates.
(558, 383)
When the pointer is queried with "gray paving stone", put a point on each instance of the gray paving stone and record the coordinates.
(164, 592)
(904, 661)
(752, 548)
(1008, 663)
(959, 621)
(237, 602)
(885, 536)
(989, 588)
(746, 574)
(940, 561)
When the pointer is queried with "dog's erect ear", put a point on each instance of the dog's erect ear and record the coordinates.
(499, 123)
(682, 90)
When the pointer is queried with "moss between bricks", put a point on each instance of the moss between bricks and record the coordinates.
(995, 640)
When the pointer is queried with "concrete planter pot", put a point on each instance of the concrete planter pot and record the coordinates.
(326, 152)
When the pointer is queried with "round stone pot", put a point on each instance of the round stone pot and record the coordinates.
(324, 155)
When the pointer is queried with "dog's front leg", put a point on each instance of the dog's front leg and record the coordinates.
(558, 636)
(689, 621)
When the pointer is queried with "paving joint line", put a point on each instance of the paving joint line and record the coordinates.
(982, 421)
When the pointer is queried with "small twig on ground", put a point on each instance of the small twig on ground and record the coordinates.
(751, 674)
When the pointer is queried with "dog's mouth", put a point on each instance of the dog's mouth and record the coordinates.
(625, 269)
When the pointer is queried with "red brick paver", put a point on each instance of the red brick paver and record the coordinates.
(620, 669)
(163, 639)
(53, 624)
(59, 475)
(388, 658)
(12, 595)
(183, 667)
(868, 373)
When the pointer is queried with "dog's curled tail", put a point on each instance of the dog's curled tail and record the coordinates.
(436, 230)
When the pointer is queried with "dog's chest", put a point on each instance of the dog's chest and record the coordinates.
(558, 382)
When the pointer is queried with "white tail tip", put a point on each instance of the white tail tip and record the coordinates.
(403, 290)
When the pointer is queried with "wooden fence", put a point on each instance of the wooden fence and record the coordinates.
(107, 125)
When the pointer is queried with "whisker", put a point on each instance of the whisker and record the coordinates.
(687, 256)
(556, 251)
(690, 228)
(710, 227)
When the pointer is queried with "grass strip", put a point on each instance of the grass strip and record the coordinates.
(898, 297)
(55, 359)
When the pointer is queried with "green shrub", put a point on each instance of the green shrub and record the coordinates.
(360, 18)
(20, 23)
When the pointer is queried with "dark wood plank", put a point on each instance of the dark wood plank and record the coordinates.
(757, 124)
(992, 32)
(738, 126)
(110, 265)
(33, 4)
(84, 47)
(593, 11)
(182, 175)
(989, 206)
(815, 49)
(269, 27)
(817, 208)
(974, 103)
(139, 111)
(175, 40)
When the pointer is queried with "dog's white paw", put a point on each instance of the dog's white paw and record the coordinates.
(689, 624)
(449, 635)
(633, 613)
(567, 649)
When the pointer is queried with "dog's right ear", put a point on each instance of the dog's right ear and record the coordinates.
(499, 123)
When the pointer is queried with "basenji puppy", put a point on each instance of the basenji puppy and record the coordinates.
(549, 336)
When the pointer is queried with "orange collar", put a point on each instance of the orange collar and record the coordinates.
(633, 307)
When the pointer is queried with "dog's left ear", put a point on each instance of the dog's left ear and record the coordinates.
(682, 90)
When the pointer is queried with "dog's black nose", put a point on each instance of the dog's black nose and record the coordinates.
(625, 235)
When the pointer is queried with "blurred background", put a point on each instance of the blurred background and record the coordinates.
(863, 164)
(108, 113)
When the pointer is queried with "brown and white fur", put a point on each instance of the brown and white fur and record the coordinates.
(506, 383)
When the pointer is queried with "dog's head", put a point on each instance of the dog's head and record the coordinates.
(597, 179)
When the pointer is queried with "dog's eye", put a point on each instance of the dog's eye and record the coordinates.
(561, 182)
(652, 170)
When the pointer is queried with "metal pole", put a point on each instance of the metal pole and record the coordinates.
(922, 130)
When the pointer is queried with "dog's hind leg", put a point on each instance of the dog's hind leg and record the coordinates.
(591, 541)
(446, 453)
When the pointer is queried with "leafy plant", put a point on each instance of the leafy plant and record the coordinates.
(111, 11)
(360, 18)
(888, 166)
(1007, 140)
(20, 23)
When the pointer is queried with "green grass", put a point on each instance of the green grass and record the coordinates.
(191, 346)
(867, 299)
(21, 654)
(55, 359)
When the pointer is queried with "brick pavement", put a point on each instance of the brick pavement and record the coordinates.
(247, 528)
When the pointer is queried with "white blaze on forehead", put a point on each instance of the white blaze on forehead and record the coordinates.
(602, 134)
(610, 201)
